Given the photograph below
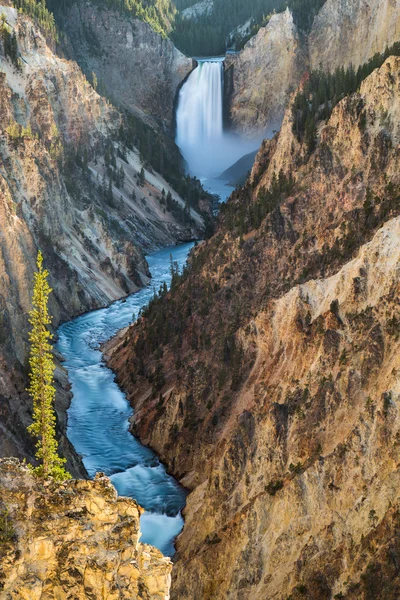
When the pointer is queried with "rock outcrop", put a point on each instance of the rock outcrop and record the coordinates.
(260, 78)
(73, 541)
(349, 32)
(200, 9)
(135, 66)
(280, 408)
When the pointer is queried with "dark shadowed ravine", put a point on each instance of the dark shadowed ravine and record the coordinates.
(98, 425)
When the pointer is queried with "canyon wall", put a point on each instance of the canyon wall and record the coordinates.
(135, 67)
(279, 407)
(70, 185)
(349, 32)
(74, 540)
(260, 78)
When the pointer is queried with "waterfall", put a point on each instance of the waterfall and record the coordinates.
(199, 117)
(206, 147)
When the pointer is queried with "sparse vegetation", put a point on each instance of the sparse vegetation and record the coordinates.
(7, 531)
(9, 40)
(37, 10)
(274, 486)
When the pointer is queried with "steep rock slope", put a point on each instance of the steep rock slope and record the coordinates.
(76, 540)
(279, 403)
(351, 31)
(60, 152)
(136, 67)
(261, 77)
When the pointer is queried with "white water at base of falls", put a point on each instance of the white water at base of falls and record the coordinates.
(206, 147)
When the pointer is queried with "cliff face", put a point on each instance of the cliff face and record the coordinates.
(280, 404)
(135, 66)
(59, 150)
(76, 540)
(261, 77)
(351, 31)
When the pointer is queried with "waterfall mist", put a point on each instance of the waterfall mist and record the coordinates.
(207, 149)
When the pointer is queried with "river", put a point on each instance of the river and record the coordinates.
(98, 418)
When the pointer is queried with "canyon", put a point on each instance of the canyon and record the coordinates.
(63, 148)
(263, 377)
(279, 408)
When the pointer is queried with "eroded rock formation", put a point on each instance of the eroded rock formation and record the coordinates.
(135, 66)
(262, 76)
(73, 541)
(349, 32)
(280, 404)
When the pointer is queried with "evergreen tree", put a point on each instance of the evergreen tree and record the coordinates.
(311, 134)
(41, 389)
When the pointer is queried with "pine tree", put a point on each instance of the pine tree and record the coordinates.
(41, 387)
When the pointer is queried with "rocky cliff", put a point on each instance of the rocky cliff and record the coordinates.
(71, 183)
(259, 79)
(135, 67)
(75, 540)
(349, 32)
(279, 404)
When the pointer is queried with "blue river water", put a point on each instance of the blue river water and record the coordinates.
(98, 425)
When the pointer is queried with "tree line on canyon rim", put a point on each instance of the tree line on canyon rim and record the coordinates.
(206, 35)
(322, 91)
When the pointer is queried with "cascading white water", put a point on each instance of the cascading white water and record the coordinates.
(206, 147)
(199, 117)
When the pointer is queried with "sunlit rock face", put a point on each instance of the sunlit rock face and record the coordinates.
(260, 78)
(293, 472)
(351, 31)
(73, 541)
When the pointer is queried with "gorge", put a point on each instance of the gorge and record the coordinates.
(98, 416)
(223, 240)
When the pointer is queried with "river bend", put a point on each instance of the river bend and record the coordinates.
(98, 418)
